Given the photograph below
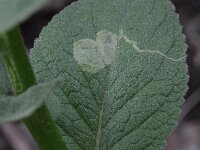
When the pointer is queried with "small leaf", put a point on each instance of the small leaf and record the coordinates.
(13, 108)
(5, 86)
(120, 92)
(12, 12)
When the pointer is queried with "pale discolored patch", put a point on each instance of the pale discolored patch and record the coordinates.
(94, 55)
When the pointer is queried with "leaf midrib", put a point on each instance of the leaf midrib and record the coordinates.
(99, 129)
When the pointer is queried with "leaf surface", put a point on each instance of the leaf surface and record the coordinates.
(124, 71)
(5, 86)
(12, 12)
(13, 108)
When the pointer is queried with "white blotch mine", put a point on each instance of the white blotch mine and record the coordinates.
(94, 55)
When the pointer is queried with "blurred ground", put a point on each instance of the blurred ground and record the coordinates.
(14, 136)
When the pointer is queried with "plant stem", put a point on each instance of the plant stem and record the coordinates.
(40, 124)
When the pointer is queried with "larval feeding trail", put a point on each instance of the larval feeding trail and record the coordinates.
(134, 44)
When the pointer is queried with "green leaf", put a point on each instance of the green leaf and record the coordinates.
(5, 86)
(13, 108)
(12, 12)
(123, 62)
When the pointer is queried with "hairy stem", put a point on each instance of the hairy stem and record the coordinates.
(40, 124)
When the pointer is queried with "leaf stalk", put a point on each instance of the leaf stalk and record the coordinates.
(40, 124)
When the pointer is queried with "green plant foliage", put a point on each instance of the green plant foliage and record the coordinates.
(13, 108)
(5, 86)
(120, 92)
(13, 12)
